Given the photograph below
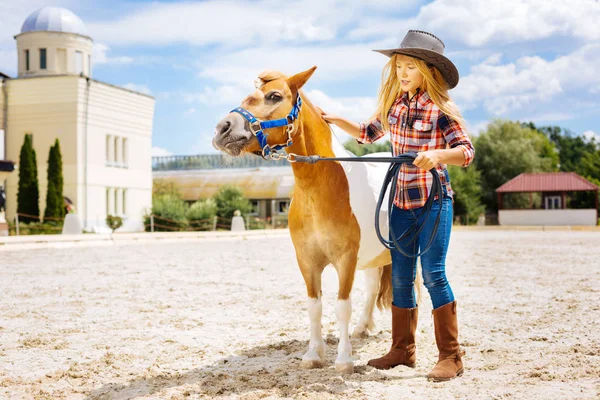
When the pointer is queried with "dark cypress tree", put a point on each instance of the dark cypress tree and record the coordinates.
(28, 192)
(59, 181)
(54, 199)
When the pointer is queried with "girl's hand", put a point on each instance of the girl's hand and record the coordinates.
(329, 118)
(427, 159)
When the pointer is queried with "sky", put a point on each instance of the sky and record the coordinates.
(533, 60)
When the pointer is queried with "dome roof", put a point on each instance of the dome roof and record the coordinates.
(53, 19)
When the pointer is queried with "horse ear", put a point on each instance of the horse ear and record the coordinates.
(297, 81)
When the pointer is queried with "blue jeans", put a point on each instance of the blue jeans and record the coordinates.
(433, 262)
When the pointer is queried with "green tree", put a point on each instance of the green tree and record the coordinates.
(506, 150)
(362, 149)
(28, 195)
(54, 196)
(466, 184)
(571, 148)
(230, 198)
(577, 154)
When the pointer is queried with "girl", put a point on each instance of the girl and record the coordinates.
(415, 109)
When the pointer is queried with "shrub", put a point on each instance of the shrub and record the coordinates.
(200, 214)
(114, 222)
(35, 228)
(169, 213)
(230, 198)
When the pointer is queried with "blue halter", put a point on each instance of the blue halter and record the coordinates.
(257, 126)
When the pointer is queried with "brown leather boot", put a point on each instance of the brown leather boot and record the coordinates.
(404, 326)
(449, 363)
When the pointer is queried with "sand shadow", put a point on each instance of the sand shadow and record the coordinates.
(274, 368)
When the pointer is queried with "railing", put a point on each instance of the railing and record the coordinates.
(26, 224)
(212, 161)
(33, 225)
(155, 223)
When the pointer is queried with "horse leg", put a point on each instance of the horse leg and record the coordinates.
(315, 355)
(343, 311)
(366, 324)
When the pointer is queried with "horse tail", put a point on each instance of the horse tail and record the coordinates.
(384, 297)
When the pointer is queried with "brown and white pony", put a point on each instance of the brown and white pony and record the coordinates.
(331, 217)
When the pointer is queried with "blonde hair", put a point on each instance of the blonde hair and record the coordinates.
(433, 83)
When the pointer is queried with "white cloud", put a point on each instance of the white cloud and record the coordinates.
(229, 22)
(222, 95)
(591, 135)
(241, 23)
(8, 62)
(99, 56)
(474, 129)
(160, 152)
(354, 108)
(502, 88)
(340, 62)
(478, 23)
(138, 88)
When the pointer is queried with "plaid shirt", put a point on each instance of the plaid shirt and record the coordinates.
(418, 125)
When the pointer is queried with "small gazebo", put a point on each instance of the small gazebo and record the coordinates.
(554, 187)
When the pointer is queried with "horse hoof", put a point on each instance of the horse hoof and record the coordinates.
(345, 368)
(311, 364)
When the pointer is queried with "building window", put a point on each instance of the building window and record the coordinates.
(61, 61)
(124, 206)
(42, 58)
(116, 202)
(107, 201)
(78, 62)
(116, 151)
(26, 60)
(255, 207)
(283, 206)
(124, 152)
(108, 152)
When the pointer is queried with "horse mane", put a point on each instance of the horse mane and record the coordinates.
(268, 76)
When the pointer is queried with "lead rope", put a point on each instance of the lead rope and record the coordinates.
(392, 173)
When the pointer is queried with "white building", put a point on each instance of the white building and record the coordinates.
(105, 131)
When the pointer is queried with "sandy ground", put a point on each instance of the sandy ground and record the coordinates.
(227, 319)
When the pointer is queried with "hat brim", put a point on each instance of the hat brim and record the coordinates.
(446, 67)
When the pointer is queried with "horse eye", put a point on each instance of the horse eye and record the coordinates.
(274, 96)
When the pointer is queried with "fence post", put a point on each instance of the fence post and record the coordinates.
(151, 222)
(17, 223)
(214, 227)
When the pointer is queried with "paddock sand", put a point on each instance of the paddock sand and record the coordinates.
(227, 319)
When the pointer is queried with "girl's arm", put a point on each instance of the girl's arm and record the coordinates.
(363, 133)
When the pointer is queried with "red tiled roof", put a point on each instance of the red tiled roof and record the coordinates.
(547, 182)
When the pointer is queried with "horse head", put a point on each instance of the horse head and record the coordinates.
(267, 119)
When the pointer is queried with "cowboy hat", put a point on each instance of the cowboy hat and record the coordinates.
(429, 48)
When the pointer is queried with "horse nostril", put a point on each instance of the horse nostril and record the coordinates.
(224, 128)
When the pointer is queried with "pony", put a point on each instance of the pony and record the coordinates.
(331, 216)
